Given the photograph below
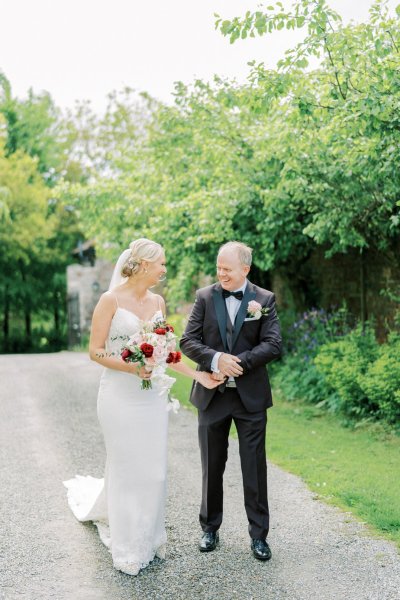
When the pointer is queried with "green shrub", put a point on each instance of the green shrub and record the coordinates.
(300, 380)
(381, 381)
(296, 375)
(364, 375)
(343, 370)
(314, 328)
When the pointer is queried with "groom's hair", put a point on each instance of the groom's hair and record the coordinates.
(244, 252)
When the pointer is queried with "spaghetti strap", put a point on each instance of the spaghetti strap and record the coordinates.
(116, 300)
(160, 308)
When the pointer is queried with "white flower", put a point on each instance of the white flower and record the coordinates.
(159, 352)
(151, 338)
(173, 405)
(135, 339)
(164, 382)
(171, 346)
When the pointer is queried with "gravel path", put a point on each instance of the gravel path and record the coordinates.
(49, 432)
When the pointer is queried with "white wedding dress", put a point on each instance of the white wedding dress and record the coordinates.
(128, 505)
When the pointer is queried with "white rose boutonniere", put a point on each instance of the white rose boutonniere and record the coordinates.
(255, 310)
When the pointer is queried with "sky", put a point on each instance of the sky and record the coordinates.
(84, 49)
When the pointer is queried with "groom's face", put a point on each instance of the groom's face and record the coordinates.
(230, 271)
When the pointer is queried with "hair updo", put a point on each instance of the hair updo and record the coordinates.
(141, 249)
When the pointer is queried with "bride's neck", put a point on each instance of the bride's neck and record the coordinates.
(138, 289)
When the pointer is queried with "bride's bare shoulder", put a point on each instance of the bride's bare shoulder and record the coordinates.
(157, 297)
(108, 301)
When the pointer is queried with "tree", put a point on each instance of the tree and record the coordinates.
(23, 235)
(295, 160)
(36, 234)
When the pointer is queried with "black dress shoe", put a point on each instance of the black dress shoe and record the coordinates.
(261, 550)
(209, 541)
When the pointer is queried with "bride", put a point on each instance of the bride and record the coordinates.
(128, 505)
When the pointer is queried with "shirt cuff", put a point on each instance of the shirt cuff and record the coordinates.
(214, 362)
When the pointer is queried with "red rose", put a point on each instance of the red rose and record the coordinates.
(147, 350)
(177, 357)
(160, 331)
(174, 357)
(126, 354)
(169, 328)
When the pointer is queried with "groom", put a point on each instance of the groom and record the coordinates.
(234, 340)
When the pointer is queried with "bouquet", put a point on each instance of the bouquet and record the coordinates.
(153, 347)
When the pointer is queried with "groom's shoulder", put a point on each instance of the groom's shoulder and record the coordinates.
(206, 291)
(261, 292)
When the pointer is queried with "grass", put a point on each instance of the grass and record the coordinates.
(356, 470)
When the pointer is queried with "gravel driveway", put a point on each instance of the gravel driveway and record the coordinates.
(49, 432)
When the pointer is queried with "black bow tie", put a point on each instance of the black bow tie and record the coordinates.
(237, 295)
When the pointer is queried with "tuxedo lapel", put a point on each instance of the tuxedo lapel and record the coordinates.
(220, 310)
(241, 315)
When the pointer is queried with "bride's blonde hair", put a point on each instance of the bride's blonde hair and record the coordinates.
(141, 249)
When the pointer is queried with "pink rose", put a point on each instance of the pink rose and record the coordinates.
(253, 306)
(158, 352)
(171, 346)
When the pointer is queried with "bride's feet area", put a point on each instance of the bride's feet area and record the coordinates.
(161, 551)
(134, 568)
(127, 568)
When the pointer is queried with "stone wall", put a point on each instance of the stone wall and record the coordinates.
(85, 284)
(360, 282)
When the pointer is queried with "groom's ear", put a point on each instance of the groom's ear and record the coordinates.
(246, 269)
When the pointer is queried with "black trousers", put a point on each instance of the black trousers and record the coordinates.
(214, 426)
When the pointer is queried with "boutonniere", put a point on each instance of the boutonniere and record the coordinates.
(255, 310)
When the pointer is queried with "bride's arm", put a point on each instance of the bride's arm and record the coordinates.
(202, 377)
(101, 323)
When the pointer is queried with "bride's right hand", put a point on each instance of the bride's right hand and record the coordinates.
(207, 380)
(143, 372)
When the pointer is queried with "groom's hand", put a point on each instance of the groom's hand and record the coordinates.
(229, 365)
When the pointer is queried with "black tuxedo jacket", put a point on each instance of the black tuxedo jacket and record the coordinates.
(255, 342)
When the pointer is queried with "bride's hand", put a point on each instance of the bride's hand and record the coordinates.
(144, 372)
(147, 371)
(207, 380)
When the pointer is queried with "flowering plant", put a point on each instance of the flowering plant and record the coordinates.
(153, 347)
(255, 310)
